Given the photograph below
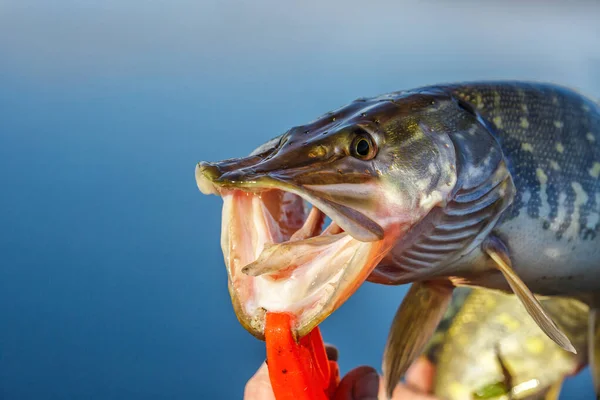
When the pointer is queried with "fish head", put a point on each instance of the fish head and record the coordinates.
(375, 168)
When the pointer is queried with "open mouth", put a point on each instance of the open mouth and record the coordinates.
(281, 257)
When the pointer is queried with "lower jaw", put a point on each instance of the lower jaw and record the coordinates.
(310, 311)
(310, 291)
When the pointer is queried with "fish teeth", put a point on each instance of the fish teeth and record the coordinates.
(312, 226)
(332, 229)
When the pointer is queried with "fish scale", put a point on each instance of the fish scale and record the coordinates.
(488, 184)
(483, 328)
(544, 132)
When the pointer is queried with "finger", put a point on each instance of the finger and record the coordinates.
(259, 386)
(420, 375)
(361, 383)
(332, 352)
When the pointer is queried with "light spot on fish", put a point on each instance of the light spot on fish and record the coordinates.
(527, 147)
(487, 161)
(595, 170)
(423, 184)
(317, 152)
(541, 175)
(581, 198)
(496, 99)
(594, 217)
(590, 137)
(544, 210)
(524, 107)
(509, 322)
(474, 171)
(498, 122)
(559, 147)
(554, 100)
(534, 345)
(554, 165)
(428, 200)
(585, 108)
(558, 124)
(479, 101)
(524, 123)
(432, 168)
(472, 130)
(561, 213)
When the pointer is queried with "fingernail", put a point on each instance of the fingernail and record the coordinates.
(367, 387)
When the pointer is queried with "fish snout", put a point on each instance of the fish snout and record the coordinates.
(231, 174)
(206, 174)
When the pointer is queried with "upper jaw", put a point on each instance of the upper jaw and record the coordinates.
(318, 283)
(212, 178)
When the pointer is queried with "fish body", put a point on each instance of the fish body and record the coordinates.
(490, 184)
(487, 335)
(547, 137)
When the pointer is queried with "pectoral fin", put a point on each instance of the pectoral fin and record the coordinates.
(497, 251)
(594, 348)
(414, 323)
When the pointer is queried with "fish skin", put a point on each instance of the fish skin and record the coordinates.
(516, 133)
(548, 137)
(480, 323)
(457, 165)
(540, 140)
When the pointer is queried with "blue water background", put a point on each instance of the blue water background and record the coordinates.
(112, 283)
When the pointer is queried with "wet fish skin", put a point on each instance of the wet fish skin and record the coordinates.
(482, 326)
(491, 184)
(535, 147)
(548, 137)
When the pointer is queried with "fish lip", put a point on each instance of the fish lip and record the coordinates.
(212, 179)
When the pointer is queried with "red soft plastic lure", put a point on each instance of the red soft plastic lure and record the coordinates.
(298, 370)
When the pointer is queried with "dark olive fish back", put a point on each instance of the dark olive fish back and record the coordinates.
(550, 137)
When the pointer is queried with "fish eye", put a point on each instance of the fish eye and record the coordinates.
(363, 148)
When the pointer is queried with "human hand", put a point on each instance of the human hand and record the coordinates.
(362, 383)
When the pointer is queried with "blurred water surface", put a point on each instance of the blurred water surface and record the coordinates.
(112, 283)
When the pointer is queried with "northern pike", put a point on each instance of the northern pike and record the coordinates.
(487, 347)
(489, 184)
